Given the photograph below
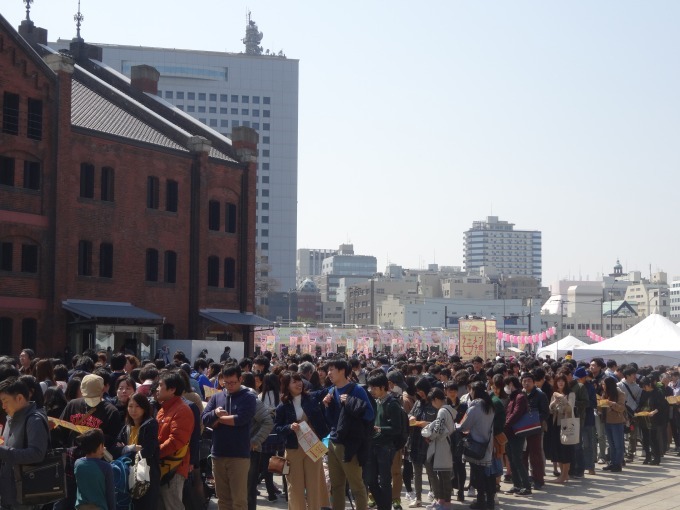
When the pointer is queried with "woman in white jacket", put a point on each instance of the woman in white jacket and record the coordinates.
(439, 455)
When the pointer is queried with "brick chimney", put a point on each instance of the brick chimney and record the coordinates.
(145, 78)
(32, 34)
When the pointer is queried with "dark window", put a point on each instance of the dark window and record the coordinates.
(201, 96)
(234, 98)
(230, 218)
(234, 111)
(265, 179)
(86, 180)
(152, 192)
(107, 184)
(31, 175)
(265, 113)
(229, 273)
(85, 258)
(29, 333)
(224, 98)
(213, 215)
(180, 95)
(29, 258)
(151, 265)
(5, 335)
(244, 111)
(170, 267)
(256, 99)
(171, 195)
(213, 97)
(256, 113)
(6, 252)
(35, 119)
(244, 99)
(213, 271)
(265, 126)
(6, 171)
(191, 96)
(10, 113)
(106, 260)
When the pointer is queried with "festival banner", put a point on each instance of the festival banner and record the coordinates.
(473, 339)
(491, 338)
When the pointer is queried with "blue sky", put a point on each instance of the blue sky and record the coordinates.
(416, 120)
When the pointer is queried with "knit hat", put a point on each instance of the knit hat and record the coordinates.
(580, 373)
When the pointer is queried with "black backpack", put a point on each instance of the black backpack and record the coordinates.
(401, 439)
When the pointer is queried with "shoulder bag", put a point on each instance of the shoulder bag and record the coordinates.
(278, 465)
(43, 482)
(527, 425)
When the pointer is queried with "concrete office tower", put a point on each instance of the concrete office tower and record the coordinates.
(256, 89)
(495, 248)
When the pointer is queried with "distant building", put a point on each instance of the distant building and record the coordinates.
(344, 264)
(309, 260)
(494, 246)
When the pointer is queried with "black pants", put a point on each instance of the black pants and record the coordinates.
(253, 479)
(485, 485)
(459, 474)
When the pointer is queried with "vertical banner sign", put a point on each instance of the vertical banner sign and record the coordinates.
(472, 339)
(491, 338)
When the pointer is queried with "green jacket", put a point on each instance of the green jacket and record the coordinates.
(388, 419)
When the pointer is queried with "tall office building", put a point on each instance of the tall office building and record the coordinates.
(309, 261)
(495, 247)
(227, 90)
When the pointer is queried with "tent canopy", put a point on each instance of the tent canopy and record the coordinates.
(559, 348)
(653, 341)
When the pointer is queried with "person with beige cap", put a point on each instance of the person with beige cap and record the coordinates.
(92, 411)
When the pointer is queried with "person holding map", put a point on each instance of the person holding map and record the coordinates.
(306, 475)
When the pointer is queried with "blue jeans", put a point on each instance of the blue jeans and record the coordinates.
(615, 439)
(588, 440)
(379, 475)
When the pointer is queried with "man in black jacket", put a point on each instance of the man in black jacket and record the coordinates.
(25, 436)
(538, 403)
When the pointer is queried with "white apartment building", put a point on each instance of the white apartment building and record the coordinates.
(495, 247)
(226, 90)
(308, 261)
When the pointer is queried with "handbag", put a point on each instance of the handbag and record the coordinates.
(527, 425)
(278, 465)
(43, 482)
(499, 442)
(569, 431)
(140, 478)
(170, 464)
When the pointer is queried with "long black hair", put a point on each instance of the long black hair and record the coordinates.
(271, 383)
(478, 391)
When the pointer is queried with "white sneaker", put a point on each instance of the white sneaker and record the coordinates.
(430, 496)
(471, 492)
(410, 495)
(416, 504)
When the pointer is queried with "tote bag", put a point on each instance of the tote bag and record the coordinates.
(570, 429)
(527, 425)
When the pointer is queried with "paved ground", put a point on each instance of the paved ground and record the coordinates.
(638, 487)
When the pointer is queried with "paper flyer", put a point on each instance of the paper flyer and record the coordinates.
(210, 391)
(68, 425)
(310, 443)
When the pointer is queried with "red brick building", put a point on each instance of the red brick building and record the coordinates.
(122, 219)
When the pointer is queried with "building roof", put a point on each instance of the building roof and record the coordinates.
(108, 309)
(91, 111)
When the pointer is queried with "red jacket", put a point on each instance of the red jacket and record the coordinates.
(517, 407)
(175, 426)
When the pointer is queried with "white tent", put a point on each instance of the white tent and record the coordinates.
(559, 348)
(653, 341)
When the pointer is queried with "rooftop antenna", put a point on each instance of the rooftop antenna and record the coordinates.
(28, 9)
(78, 18)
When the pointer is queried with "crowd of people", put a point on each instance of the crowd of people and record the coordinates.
(476, 427)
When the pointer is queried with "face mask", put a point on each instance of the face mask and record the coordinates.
(396, 390)
(508, 390)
